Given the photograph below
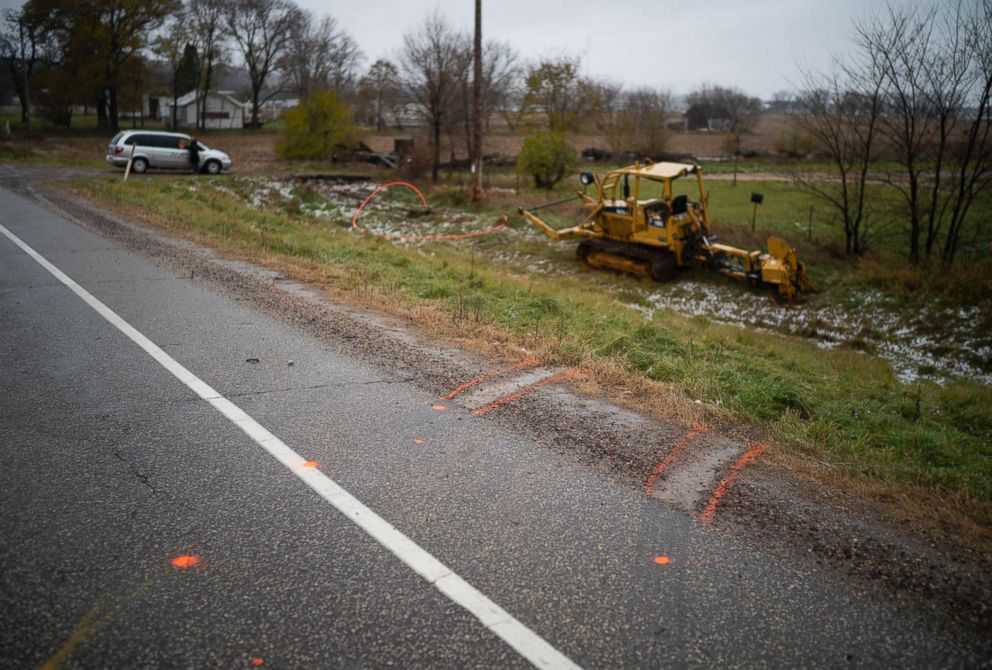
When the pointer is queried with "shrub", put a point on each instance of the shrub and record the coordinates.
(315, 128)
(547, 157)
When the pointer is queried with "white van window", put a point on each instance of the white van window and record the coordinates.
(117, 138)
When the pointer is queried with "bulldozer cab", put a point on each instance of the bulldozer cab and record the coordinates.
(642, 196)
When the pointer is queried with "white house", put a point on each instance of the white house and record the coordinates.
(222, 110)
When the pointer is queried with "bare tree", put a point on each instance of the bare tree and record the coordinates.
(432, 60)
(21, 48)
(899, 41)
(261, 29)
(500, 75)
(206, 23)
(937, 80)
(736, 113)
(379, 93)
(635, 121)
(784, 102)
(604, 104)
(320, 56)
(499, 72)
(170, 46)
(972, 154)
(842, 113)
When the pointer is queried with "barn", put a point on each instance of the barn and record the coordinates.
(222, 111)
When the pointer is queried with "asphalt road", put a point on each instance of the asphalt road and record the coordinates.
(111, 467)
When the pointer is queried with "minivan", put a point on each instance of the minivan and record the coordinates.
(162, 150)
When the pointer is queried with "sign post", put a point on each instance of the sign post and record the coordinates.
(130, 159)
(757, 199)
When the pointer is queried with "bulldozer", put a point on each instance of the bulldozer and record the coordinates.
(639, 224)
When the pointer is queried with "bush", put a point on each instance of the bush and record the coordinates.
(547, 157)
(315, 128)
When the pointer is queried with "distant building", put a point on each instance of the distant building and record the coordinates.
(222, 110)
(708, 118)
(274, 107)
(404, 115)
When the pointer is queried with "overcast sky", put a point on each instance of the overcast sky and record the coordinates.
(757, 45)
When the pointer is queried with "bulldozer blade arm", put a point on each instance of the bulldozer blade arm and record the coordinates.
(539, 224)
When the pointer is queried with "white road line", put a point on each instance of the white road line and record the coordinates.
(526, 642)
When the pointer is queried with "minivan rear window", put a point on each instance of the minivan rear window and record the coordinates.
(117, 138)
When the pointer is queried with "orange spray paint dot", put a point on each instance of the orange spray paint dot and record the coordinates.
(311, 464)
(185, 561)
(257, 661)
(439, 408)
(662, 560)
(418, 441)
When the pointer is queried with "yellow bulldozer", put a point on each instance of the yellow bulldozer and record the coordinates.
(639, 225)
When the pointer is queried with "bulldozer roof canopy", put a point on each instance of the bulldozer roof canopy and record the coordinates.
(660, 170)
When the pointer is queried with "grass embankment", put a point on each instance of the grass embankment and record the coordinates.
(837, 408)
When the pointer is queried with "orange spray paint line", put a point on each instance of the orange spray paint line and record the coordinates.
(438, 408)
(524, 391)
(662, 560)
(526, 363)
(421, 238)
(311, 464)
(653, 477)
(724, 486)
(185, 561)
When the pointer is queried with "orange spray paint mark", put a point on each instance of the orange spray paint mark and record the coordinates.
(530, 389)
(438, 408)
(653, 477)
(662, 560)
(185, 561)
(724, 486)
(418, 442)
(526, 363)
(420, 238)
(311, 464)
(258, 661)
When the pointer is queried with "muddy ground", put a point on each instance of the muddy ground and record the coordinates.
(934, 343)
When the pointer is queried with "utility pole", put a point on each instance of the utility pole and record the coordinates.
(477, 107)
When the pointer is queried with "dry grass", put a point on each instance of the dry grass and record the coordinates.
(766, 137)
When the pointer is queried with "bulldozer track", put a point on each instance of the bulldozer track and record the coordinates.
(659, 264)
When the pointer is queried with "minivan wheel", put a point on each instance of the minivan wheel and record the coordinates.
(139, 165)
(212, 167)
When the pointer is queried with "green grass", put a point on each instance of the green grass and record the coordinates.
(841, 407)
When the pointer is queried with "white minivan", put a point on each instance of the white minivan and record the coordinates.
(161, 150)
